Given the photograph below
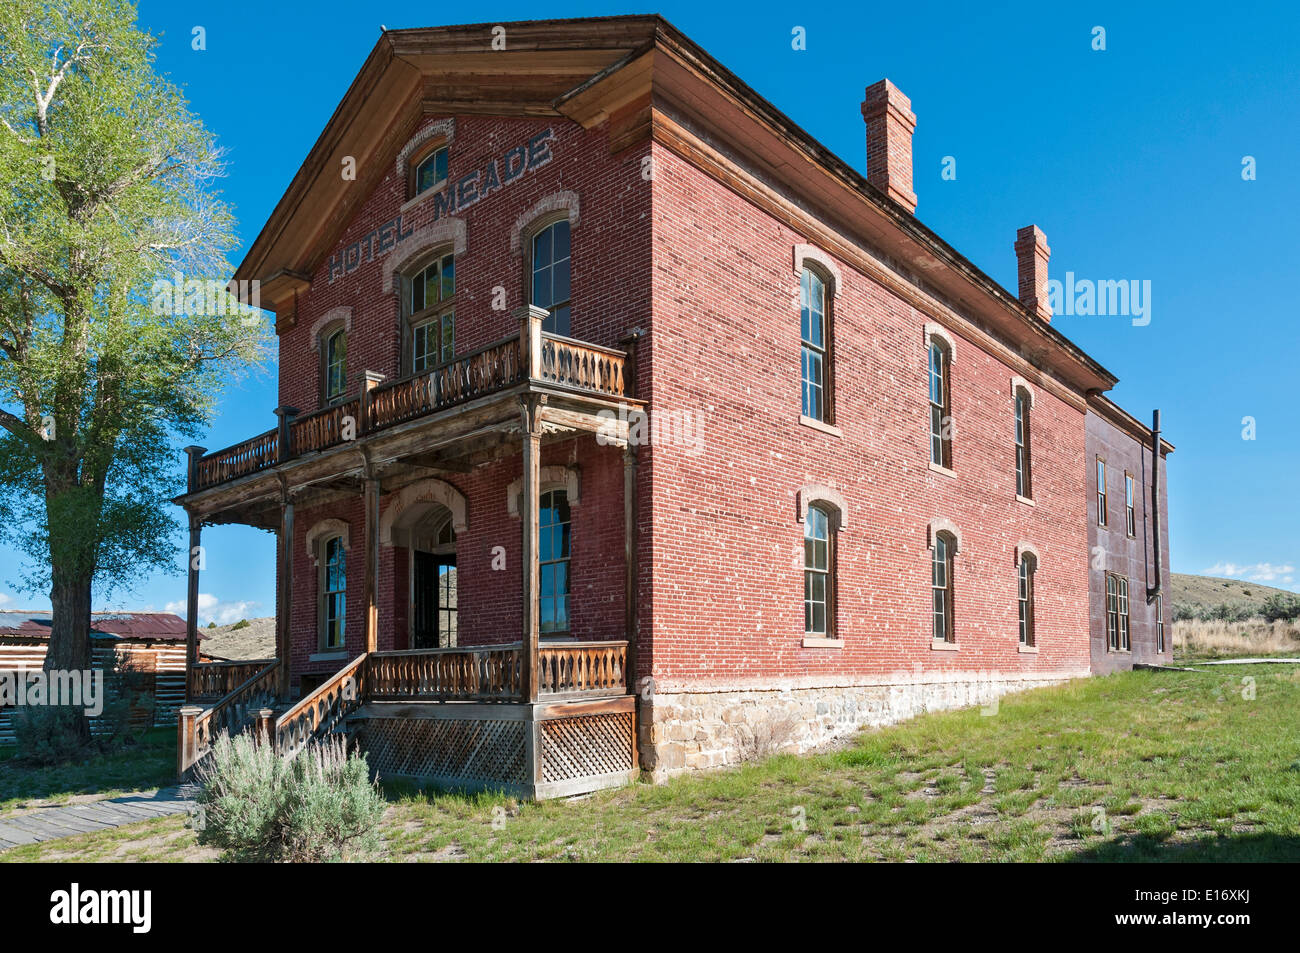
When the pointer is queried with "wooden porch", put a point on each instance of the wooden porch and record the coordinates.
(540, 719)
(454, 717)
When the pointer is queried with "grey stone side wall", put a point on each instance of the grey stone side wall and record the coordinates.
(683, 731)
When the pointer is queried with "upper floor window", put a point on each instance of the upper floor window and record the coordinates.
(1117, 611)
(1130, 516)
(940, 406)
(553, 561)
(1101, 492)
(335, 357)
(813, 335)
(333, 590)
(1023, 484)
(429, 172)
(549, 267)
(941, 563)
(433, 314)
(1028, 566)
(818, 578)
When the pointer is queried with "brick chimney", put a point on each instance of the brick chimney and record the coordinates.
(1032, 254)
(890, 122)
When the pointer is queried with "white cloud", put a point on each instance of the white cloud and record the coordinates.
(5, 599)
(1253, 572)
(212, 609)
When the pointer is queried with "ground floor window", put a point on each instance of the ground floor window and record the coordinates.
(1160, 623)
(817, 573)
(941, 587)
(334, 596)
(553, 561)
(1027, 569)
(1117, 619)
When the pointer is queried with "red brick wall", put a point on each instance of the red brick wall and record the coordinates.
(611, 253)
(720, 548)
(611, 296)
(727, 569)
(489, 603)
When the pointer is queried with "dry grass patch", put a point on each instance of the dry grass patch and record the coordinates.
(1196, 638)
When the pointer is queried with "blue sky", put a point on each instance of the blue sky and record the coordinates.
(1130, 159)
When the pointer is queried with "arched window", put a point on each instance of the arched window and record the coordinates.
(335, 365)
(1024, 486)
(553, 562)
(429, 172)
(333, 593)
(1028, 566)
(431, 313)
(941, 563)
(549, 270)
(815, 346)
(940, 405)
(818, 574)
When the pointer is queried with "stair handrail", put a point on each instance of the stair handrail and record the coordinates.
(320, 712)
(231, 713)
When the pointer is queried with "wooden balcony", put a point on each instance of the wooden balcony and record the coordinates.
(454, 717)
(531, 360)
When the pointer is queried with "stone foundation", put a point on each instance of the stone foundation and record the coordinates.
(686, 728)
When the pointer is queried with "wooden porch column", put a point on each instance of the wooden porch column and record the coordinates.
(630, 563)
(371, 585)
(192, 606)
(531, 407)
(193, 456)
(284, 612)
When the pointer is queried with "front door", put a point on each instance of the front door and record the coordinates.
(435, 601)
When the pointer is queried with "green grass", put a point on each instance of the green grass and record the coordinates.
(149, 763)
(1139, 766)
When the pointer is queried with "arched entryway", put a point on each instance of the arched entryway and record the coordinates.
(423, 521)
(432, 558)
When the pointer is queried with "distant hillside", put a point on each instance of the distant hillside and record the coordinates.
(252, 641)
(1203, 592)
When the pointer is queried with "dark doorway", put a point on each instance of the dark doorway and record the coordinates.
(434, 620)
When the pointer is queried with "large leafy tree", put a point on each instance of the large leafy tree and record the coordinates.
(107, 190)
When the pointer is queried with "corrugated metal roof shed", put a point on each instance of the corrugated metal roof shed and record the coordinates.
(132, 626)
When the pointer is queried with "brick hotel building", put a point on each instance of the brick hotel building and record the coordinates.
(878, 494)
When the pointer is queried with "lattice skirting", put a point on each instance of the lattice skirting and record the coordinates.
(587, 745)
(457, 752)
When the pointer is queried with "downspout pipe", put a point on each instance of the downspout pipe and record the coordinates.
(1153, 591)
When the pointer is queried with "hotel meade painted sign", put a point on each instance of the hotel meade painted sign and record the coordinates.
(455, 197)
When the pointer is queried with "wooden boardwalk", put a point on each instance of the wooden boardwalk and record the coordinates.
(49, 823)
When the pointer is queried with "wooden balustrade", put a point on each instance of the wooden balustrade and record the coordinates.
(481, 673)
(324, 428)
(489, 673)
(215, 680)
(563, 362)
(240, 460)
(583, 366)
(597, 668)
(323, 710)
(481, 372)
(232, 714)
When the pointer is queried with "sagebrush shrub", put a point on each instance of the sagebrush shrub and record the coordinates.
(258, 805)
(49, 734)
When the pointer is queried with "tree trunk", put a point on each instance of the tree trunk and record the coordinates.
(70, 634)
